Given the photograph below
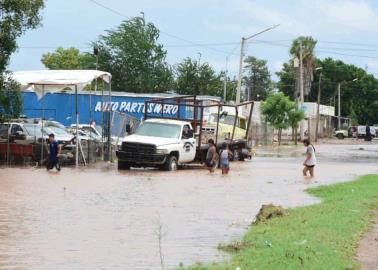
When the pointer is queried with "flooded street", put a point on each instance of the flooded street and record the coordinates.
(99, 218)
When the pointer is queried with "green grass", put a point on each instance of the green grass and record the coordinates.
(321, 236)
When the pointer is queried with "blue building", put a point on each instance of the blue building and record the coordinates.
(61, 106)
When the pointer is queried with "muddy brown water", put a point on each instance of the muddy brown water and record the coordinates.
(99, 218)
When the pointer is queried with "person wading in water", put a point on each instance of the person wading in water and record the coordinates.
(310, 161)
(53, 154)
(211, 156)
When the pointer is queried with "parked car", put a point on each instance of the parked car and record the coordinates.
(24, 133)
(93, 131)
(355, 132)
(61, 135)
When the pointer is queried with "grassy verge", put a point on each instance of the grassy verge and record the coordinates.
(321, 236)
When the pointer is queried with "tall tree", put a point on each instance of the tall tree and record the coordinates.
(132, 54)
(357, 96)
(70, 58)
(195, 79)
(308, 59)
(287, 80)
(10, 99)
(15, 18)
(294, 117)
(258, 81)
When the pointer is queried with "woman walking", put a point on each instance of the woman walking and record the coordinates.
(310, 161)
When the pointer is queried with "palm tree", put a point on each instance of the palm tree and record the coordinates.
(308, 56)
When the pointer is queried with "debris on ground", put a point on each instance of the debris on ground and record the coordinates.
(268, 211)
(234, 247)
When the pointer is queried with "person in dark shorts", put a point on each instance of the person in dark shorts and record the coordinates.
(224, 159)
(310, 161)
(368, 136)
(53, 154)
(211, 156)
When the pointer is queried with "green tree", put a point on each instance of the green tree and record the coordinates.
(15, 18)
(70, 58)
(195, 79)
(258, 81)
(308, 59)
(132, 54)
(287, 80)
(294, 117)
(275, 110)
(357, 97)
(231, 88)
(10, 99)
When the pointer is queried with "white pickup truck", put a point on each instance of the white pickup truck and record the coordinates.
(161, 143)
(355, 132)
(167, 141)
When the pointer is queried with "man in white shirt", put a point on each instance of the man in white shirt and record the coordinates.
(310, 161)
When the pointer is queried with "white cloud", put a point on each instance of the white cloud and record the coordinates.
(267, 15)
(304, 17)
(347, 15)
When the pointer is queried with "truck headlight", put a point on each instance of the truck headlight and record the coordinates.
(161, 151)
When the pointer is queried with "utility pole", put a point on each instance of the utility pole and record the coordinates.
(199, 59)
(225, 83)
(240, 70)
(338, 105)
(301, 90)
(142, 13)
(243, 40)
(317, 111)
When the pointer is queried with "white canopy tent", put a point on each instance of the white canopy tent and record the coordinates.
(50, 81)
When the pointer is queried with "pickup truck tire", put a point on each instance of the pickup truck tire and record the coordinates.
(171, 164)
(122, 165)
(340, 136)
(235, 155)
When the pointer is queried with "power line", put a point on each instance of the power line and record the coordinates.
(344, 54)
(161, 31)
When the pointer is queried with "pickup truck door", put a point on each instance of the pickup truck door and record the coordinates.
(18, 133)
(188, 145)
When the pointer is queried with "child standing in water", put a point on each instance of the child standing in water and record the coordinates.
(225, 163)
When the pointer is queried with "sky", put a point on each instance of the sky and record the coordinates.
(211, 30)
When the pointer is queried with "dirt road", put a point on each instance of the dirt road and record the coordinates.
(98, 218)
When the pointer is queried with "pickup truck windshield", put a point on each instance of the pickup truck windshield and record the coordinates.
(159, 130)
(33, 130)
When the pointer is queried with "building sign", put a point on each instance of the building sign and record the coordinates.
(135, 107)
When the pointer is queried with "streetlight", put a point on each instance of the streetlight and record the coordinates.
(199, 58)
(339, 101)
(243, 40)
(317, 110)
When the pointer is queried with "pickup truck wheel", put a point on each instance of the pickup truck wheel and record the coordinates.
(340, 136)
(122, 165)
(235, 155)
(171, 164)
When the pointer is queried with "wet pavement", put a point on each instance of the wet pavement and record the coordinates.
(99, 218)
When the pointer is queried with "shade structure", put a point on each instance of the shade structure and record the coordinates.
(57, 80)
(50, 81)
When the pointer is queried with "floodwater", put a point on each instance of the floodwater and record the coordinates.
(99, 218)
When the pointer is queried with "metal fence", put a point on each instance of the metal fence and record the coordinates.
(119, 121)
(18, 148)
